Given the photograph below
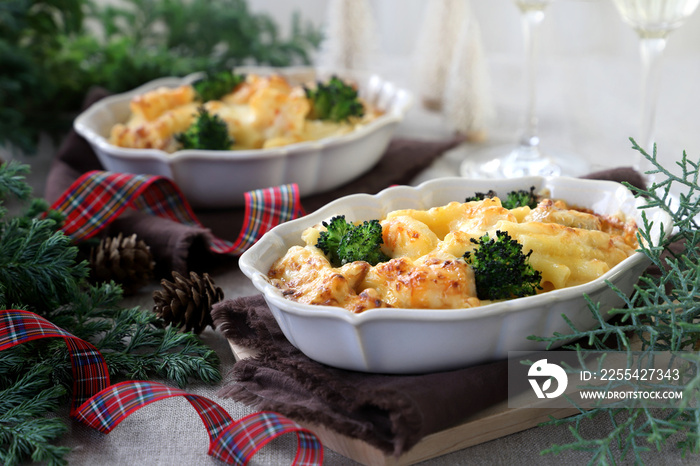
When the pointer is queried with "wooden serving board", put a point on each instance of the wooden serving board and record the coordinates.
(493, 422)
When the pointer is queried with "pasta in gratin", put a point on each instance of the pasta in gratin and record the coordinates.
(425, 248)
(262, 112)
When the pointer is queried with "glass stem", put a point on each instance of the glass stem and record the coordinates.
(532, 19)
(651, 51)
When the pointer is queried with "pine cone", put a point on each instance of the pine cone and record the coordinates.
(187, 303)
(127, 261)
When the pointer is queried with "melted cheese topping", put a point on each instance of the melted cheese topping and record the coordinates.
(263, 112)
(426, 270)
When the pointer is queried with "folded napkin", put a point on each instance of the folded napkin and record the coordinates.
(391, 412)
(180, 247)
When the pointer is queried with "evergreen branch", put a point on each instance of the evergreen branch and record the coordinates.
(13, 180)
(26, 408)
(40, 264)
(89, 311)
(32, 438)
(164, 353)
(23, 429)
(181, 369)
(134, 342)
(29, 396)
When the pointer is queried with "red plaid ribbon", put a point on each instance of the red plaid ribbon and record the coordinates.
(102, 406)
(89, 368)
(98, 197)
(254, 431)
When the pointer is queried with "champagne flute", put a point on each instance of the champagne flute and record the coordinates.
(526, 157)
(653, 20)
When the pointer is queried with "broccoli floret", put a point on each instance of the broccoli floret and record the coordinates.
(481, 196)
(344, 242)
(512, 200)
(206, 132)
(335, 101)
(363, 243)
(501, 270)
(329, 240)
(215, 86)
(520, 198)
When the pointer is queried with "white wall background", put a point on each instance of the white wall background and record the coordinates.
(571, 27)
(589, 80)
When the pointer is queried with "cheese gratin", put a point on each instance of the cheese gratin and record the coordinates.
(426, 247)
(262, 112)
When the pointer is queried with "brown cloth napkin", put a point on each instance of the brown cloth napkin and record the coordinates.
(181, 247)
(388, 411)
(391, 412)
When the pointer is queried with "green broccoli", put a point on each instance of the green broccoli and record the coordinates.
(481, 196)
(501, 270)
(344, 242)
(512, 200)
(206, 132)
(363, 243)
(520, 198)
(213, 86)
(329, 240)
(335, 101)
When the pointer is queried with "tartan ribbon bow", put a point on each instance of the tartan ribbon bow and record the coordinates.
(102, 406)
(98, 197)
